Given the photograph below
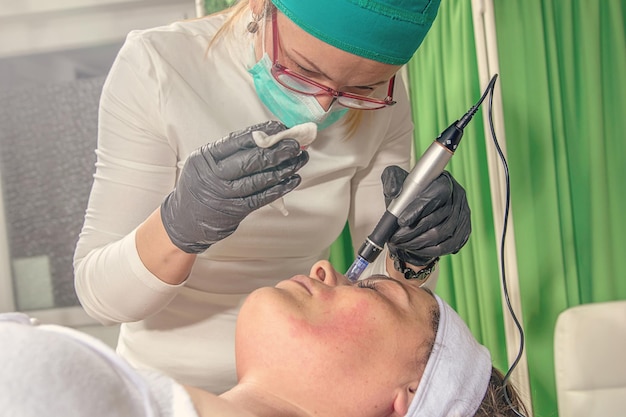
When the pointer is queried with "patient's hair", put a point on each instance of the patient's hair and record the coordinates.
(495, 403)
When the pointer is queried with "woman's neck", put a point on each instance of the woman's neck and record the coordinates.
(262, 402)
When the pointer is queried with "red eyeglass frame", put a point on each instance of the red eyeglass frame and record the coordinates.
(277, 69)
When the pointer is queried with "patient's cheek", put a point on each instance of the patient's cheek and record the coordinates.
(348, 322)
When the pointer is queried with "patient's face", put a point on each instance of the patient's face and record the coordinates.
(346, 339)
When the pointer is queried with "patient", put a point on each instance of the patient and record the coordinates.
(313, 345)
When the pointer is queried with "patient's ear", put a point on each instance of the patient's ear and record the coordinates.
(403, 399)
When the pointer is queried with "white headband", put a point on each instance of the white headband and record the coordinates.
(57, 371)
(457, 372)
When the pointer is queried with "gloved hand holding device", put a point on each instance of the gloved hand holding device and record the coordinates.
(436, 223)
(224, 181)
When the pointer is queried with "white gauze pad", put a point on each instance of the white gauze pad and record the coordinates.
(304, 133)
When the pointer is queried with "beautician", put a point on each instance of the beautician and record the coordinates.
(179, 227)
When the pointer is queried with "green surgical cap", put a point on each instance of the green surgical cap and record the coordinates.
(388, 31)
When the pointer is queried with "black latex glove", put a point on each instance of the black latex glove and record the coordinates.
(436, 223)
(222, 182)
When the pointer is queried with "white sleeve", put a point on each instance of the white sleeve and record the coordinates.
(135, 170)
(113, 299)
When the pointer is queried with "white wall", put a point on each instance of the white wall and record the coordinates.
(36, 26)
(54, 40)
(49, 41)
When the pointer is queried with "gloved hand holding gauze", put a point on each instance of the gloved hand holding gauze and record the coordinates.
(224, 181)
(304, 133)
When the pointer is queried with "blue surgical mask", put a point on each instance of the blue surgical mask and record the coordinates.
(290, 107)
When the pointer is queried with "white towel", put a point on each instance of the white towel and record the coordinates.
(48, 370)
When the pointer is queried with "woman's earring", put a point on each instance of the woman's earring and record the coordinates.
(254, 25)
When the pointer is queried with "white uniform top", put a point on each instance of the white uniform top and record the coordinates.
(166, 95)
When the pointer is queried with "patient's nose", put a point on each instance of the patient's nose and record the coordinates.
(324, 271)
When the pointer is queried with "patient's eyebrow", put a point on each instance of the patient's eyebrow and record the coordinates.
(380, 277)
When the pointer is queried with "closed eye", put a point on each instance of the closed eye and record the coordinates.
(364, 88)
(367, 284)
(305, 71)
(372, 281)
(392, 290)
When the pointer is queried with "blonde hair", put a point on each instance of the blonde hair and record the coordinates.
(236, 12)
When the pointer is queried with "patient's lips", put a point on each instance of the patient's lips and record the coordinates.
(303, 282)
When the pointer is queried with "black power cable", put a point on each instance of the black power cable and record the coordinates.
(502, 244)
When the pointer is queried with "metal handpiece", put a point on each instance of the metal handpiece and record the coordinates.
(430, 165)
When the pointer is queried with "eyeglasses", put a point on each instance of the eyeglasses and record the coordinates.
(303, 85)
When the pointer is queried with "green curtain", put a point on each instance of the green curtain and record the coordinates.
(212, 6)
(342, 252)
(563, 65)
